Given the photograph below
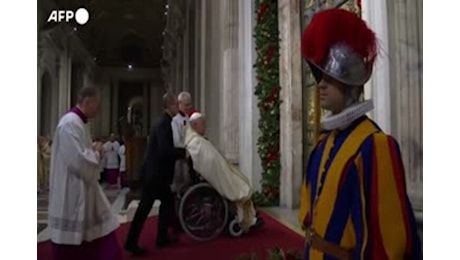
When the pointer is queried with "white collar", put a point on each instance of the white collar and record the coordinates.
(347, 116)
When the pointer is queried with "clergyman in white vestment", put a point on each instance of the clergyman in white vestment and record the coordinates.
(178, 124)
(81, 222)
(122, 155)
(112, 164)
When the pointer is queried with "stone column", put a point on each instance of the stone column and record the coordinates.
(378, 87)
(179, 65)
(55, 115)
(42, 55)
(406, 48)
(49, 61)
(39, 97)
(291, 107)
(203, 45)
(249, 161)
(114, 106)
(191, 50)
(213, 71)
(185, 84)
(196, 52)
(86, 78)
(105, 108)
(64, 82)
(229, 92)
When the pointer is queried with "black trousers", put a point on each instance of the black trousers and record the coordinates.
(102, 177)
(151, 193)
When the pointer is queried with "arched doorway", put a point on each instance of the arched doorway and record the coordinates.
(45, 105)
(135, 141)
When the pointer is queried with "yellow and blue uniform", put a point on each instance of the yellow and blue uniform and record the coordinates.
(354, 195)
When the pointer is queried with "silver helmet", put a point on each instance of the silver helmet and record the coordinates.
(343, 65)
(338, 43)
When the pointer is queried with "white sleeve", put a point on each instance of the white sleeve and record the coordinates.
(106, 147)
(176, 129)
(84, 162)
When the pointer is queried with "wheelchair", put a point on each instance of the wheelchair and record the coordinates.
(203, 213)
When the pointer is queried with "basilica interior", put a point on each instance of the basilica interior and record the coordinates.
(135, 51)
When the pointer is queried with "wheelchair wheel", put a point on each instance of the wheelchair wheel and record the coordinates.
(203, 212)
(234, 228)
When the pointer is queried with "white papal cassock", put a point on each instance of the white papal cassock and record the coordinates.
(222, 176)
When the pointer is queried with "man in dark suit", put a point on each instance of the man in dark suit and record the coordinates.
(158, 172)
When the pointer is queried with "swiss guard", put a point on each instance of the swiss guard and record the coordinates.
(354, 203)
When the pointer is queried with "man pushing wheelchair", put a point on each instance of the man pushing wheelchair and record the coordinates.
(205, 208)
(206, 163)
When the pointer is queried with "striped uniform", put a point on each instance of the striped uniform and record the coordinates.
(354, 195)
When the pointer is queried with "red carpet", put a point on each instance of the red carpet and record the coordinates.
(272, 234)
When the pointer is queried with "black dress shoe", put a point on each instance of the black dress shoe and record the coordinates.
(135, 250)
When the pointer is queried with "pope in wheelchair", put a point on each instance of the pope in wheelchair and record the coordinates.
(219, 195)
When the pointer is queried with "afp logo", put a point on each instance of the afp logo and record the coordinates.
(81, 16)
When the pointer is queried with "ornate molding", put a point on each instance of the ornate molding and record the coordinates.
(174, 33)
(48, 52)
(314, 6)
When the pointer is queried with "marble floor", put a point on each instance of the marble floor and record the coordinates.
(115, 197)
(124, 203)
(289, 217)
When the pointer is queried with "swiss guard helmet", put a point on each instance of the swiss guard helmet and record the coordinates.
(339, 43)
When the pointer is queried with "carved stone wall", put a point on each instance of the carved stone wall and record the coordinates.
(48, 63)
(291, 106)
(230, 77)
(173, 45)
(249, 161)
(217, 71)
(406, 59)
(58, 48)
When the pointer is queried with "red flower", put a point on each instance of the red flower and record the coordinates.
(262, 10)
(270, 53)
(274, 94)
(273, 191)
(272, 154)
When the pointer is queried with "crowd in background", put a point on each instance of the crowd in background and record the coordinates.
(113, 164)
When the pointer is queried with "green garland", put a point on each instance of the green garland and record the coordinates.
(267, 91)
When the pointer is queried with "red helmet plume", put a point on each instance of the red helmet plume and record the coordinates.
(340, 36)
